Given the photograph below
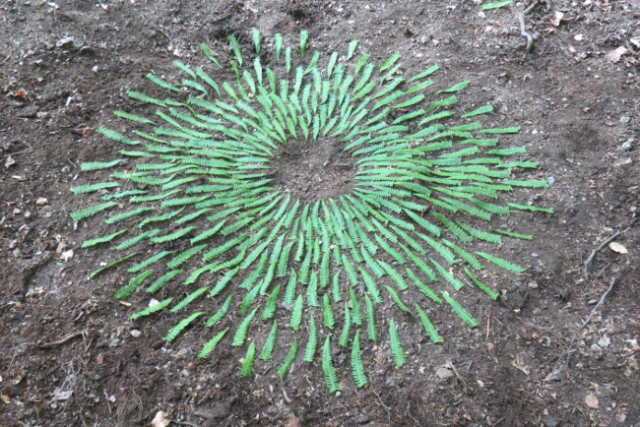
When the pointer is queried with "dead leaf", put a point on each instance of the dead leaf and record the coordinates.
(6, 399)
(556, 20)
(635, 41)
(66, 255)
(617, 247)
(61, 247)
(8, 162)
(616, 54)
(160, 420)
(64, 41)
(592, 401)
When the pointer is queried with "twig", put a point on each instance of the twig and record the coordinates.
(531, 6)
(587, 263)
(61, 341)
(383, 405)
(523, 31)
(602, 298)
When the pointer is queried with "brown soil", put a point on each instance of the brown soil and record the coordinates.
(68, 357)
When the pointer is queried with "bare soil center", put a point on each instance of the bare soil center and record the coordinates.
(313, 170)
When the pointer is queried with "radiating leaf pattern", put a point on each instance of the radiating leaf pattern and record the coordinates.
(209, 215)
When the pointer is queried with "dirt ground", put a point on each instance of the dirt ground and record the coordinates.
(68, 357)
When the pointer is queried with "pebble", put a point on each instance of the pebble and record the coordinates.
(46, 211)
(135, 333)
(625, 119)
(627, 145)
(604, 341)
(443, 373)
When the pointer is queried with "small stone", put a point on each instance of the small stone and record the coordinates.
(627, 145)
(443, 373)
(532, 285)
(551, 180)
(42, 201)
(46, 211)
(604, 341)
(625, 119)
(27, 214)
(135, 333)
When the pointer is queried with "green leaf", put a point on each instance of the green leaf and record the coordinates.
(357, 367)
(211, 345)
(497, 4)
(396, 346)
(328, 368)
(247, 365)
(173, 333)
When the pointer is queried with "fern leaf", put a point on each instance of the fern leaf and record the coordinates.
(149, 261)
(426, 290)
(211, 345)
(460, 311)
(220, 314)
(189, 299)
(434, 336)
(152, 309)
(90, 188)
(126, 291)
(396, 345)
(270, 343)
(503, 263)
(271, 304)
(163, 280)
(312, 343)
(345, 334)
(328, 368)
(86, 213)
(173, 333)
(357, 366)
(372, 329)
(288, 360)
(396, 298)
(296, 315)
(241, 333)
(531, 208)
(104, 239)
(247, 365)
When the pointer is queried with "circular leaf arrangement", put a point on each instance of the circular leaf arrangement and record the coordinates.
(207, 209)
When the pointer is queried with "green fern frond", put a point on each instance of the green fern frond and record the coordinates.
(312, 343)
(396, 346)
(152, 309)
(241, 333)
(503, 263)
(434, 336)
(90, 188)
(460, 310)
(189, 299)
(211, 345)
(357, 367)
(327, 366)
(221, 313)
(104, 239)
(288, 360)
(93, 210)
(173, 333)
(270, 343)
(247, 365)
